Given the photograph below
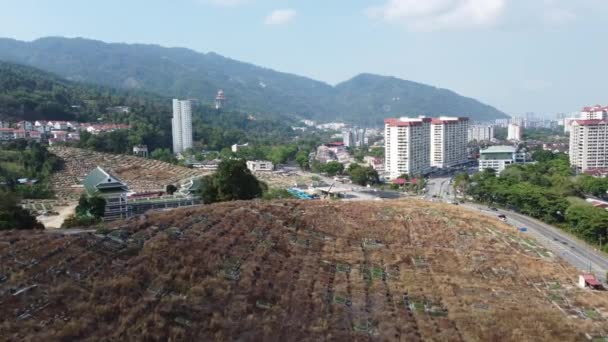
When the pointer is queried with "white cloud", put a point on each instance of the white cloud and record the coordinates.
(431, 15)
(225, 3)
(280, 17)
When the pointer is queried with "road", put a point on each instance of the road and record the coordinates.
(577, 253)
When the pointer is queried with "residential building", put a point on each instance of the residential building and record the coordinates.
(498, 158)
(514, 132)
(449, 141)
(182, 125)
(407, 146)
(7, 134)
(309, 123)
(25, 125)
(260, 165)
(589, 144)
(567, 122)
(347, 138)
(502, 122)
(20, 134)
(4, 124)
(480, 133)
(596, 112)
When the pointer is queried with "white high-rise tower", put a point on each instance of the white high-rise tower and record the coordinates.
(182, 125)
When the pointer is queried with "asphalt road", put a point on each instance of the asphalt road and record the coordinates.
(577, 253)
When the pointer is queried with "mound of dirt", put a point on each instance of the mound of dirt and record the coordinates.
(293, 270)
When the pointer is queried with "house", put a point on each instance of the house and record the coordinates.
(60, 125)
(59, 135)
(34, 135)
(260, 165)
(25, 125)
(74, 136)
(101, 183)
(19, 134)
(588, 280)
(6, 134)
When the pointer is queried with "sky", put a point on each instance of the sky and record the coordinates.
(542, 56)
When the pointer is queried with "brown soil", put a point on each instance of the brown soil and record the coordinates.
(292, 270)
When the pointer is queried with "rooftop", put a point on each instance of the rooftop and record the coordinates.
(499, 149)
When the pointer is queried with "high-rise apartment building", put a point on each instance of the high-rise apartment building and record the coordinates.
(449, 141)
(407, 144)
(480, 133)
(182, 125)
(596, 112)
(589, 144)
(514, 132)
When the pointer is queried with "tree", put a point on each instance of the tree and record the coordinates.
(332, 168)
(163, 154)
(171, 189)
(13, 216)
(232, 181)
(363, 175)
(302, 159)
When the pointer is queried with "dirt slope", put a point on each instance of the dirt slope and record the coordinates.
(403, 271)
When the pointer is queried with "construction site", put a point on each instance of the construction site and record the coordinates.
(294, 270)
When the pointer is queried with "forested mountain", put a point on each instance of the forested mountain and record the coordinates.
(185, 73)
(29, 93)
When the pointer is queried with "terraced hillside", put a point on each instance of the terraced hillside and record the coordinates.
(139, 173)
(293, 270)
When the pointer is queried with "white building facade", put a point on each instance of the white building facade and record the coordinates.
(514, 132)
(182, 125)
(497, 158)
(480, 133)
(407, 146)
(449, 137)
(589, 144)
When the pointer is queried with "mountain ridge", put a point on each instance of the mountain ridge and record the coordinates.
(182, 72)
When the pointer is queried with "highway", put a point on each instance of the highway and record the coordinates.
(577, 253)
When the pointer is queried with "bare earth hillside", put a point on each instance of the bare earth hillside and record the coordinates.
(290, 270)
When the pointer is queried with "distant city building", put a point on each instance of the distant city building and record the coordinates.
(308, 123)
(502, 122)
(260, 165)
(348, 138)
(499, 157)
(334, 126)
(220, 99)
(119, 109)
(480, 133)
(589, 144)
(182, 125)
(407, 146)
(449, 141)
(514, 132)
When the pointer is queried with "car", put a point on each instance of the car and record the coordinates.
(502, 217)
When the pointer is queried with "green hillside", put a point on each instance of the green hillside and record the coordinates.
(185, 73)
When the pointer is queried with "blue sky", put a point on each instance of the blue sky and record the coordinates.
(543, 56)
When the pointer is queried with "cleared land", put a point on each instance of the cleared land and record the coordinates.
(140, 174)
(294, 270)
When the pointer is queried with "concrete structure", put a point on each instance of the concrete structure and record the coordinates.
(348, 138)
(260, 165)
(449, 141)
(182, 125)
(480, 133)
(497, 158)
(140, 150)
(236, 147)
(514, 132)
(407, 146)
(588, 280)
(220, 99)
(589, 144)
(567, 122)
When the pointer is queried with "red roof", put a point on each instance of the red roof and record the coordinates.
(596, 108)
(399, 123)
(399, 181)
(440, 121)
(591, 122)
(6, 130)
